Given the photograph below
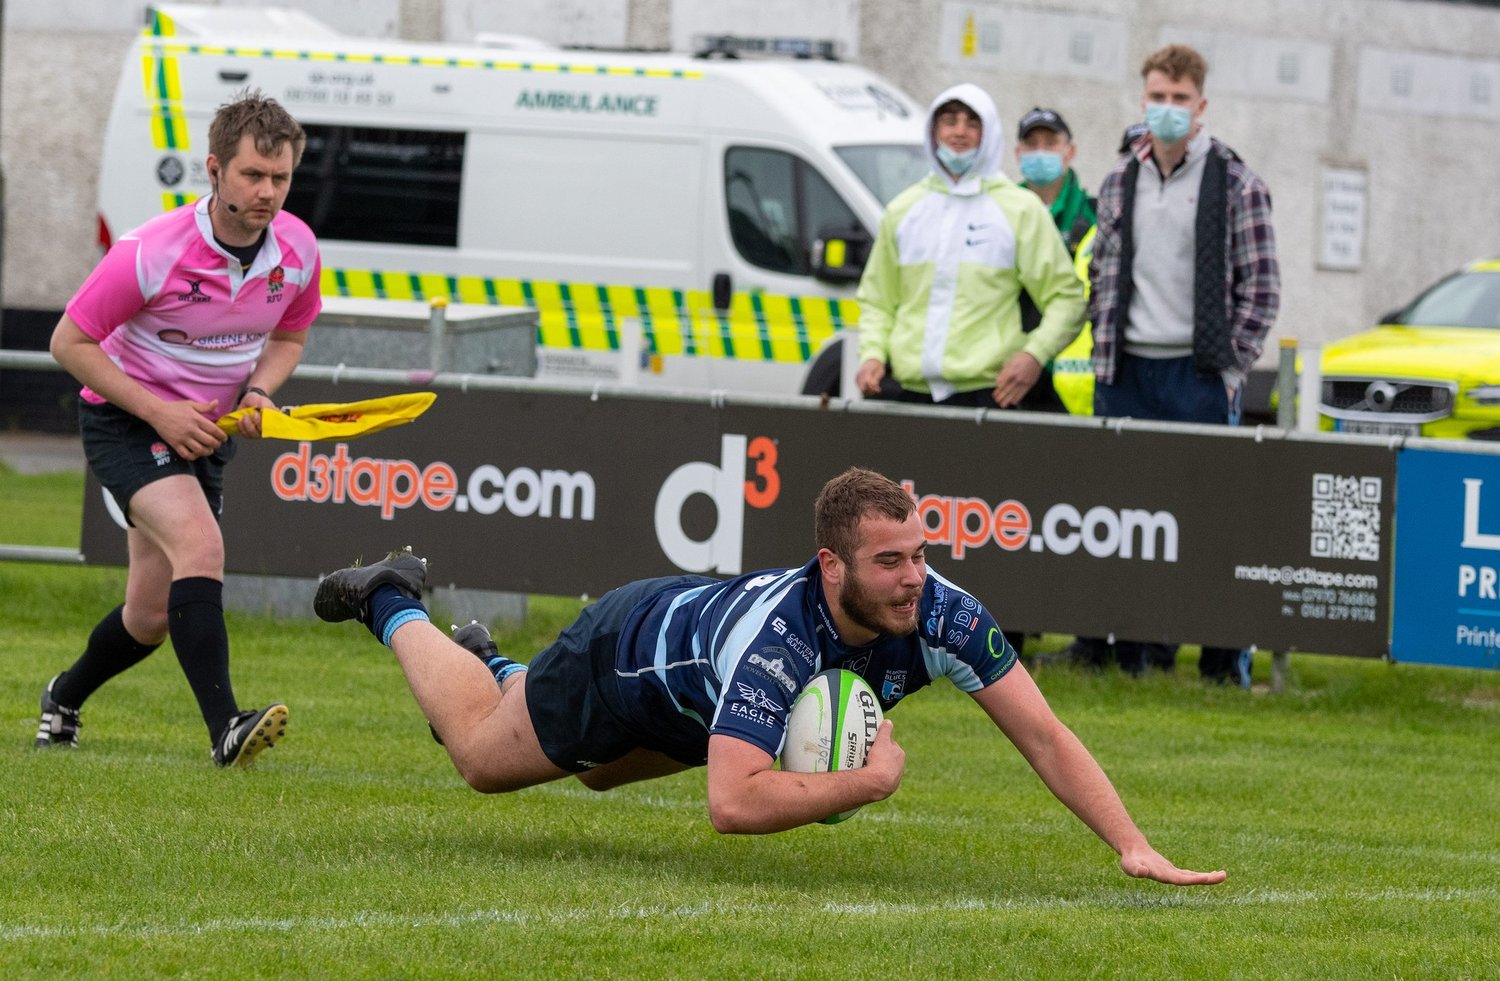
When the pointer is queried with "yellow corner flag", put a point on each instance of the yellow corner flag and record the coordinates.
(333, 420)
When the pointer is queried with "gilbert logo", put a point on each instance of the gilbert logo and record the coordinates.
(727, 486)
(195, 292)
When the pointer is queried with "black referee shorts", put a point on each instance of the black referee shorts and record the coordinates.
(126, 454)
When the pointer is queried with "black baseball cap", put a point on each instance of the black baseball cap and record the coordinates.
(1039, 118)
(1132, 133)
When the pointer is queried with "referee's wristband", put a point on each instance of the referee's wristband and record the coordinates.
(258, 391)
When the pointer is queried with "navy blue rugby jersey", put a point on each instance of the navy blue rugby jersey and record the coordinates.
(730, 657)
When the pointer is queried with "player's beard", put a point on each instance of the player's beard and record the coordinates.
(864, 608)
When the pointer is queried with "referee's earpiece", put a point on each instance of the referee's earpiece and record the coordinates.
(214, 176)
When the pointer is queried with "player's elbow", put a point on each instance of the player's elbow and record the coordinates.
(730, 816)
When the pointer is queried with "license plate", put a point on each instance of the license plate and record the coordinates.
(1379, 428)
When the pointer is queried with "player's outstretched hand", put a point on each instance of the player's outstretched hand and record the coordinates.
(1148, 863)
(887, 760)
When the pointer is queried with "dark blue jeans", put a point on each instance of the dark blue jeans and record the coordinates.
(1169, 390)
(1166, 390)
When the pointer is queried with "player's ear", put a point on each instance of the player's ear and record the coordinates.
(830, 565)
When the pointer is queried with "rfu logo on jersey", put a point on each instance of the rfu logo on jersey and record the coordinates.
(275, 281)
(775, 669)
(195, 292)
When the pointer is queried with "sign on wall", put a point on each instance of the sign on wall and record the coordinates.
(1342, 242)
(1219, 539)
(1447, 610)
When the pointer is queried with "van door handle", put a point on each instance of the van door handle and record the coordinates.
(233, 77)
(723, 290)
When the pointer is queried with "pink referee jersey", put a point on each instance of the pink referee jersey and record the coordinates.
(179, 315)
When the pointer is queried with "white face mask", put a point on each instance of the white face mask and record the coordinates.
(955, 162)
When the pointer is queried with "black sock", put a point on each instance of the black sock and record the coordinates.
(195, 622)
(111, 650)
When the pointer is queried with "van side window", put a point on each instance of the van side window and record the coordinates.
(364, 184)
(777, 205)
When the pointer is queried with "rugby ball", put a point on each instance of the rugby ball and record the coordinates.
(831, 727)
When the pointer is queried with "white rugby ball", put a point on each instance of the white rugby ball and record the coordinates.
(831, 727)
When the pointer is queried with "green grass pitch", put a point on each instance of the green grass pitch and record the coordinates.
(1356, 814)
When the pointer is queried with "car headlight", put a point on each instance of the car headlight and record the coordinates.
(1485, 394)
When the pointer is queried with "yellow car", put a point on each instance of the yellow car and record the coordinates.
(1431, 368)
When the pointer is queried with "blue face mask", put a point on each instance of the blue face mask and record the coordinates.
(1041, 166)
(1168, 123)
(956, 163)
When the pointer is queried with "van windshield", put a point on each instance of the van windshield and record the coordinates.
(886, 170)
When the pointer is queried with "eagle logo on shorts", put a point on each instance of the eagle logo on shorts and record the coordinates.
(757, 697)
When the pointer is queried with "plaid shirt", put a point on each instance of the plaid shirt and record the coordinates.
(1252, 292)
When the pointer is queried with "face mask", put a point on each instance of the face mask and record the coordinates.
(956, 163)
(1168, 123)
(1041, 166)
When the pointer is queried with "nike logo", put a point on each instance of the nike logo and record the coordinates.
(975, 241)
(975, 228)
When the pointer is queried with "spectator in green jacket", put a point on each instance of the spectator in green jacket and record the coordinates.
(939, 300)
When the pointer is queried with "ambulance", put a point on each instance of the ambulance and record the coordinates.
(708, 216)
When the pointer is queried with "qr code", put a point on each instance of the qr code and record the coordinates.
(1346, 517)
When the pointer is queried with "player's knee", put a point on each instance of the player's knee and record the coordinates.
(483, 779)
(205, 558)
(486, 775)
(599, 780)
(147, 625)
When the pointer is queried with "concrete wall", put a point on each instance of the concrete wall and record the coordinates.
(1403, 93)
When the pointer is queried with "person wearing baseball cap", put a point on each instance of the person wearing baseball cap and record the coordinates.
(1045, 151)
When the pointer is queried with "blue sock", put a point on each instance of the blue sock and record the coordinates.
(389, 608)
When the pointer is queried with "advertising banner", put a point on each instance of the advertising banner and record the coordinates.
(1447, 609)
(1202, 536)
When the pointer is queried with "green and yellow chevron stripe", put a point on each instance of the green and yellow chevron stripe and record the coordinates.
(586, 316)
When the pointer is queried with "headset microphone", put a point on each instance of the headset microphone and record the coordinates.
(232, 209)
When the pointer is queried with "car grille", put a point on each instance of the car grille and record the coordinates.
(1362, 398)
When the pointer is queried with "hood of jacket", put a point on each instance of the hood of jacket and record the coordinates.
(991, 141)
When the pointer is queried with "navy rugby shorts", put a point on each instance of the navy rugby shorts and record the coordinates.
(571, 693)
(126, 454)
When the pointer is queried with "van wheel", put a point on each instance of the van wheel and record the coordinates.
(822, 377)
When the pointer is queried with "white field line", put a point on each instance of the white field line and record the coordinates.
(593, 915)
(879, 814)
